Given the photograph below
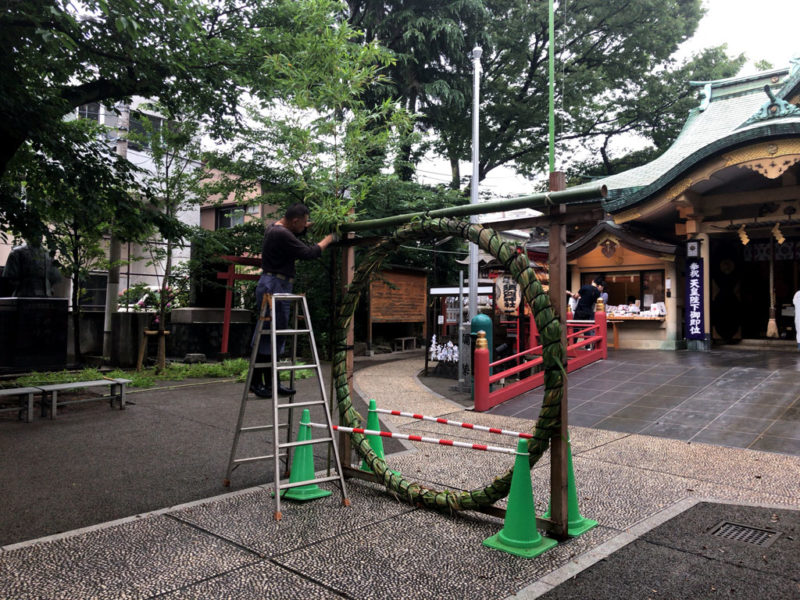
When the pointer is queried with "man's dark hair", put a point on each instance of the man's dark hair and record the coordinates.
(599, 281)
(296, 211)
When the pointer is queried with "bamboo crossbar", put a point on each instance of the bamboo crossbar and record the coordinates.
(534, 201)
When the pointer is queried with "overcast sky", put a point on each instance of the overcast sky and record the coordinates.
(760, 29)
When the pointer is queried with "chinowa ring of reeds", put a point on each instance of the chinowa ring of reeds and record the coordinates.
(547, 323)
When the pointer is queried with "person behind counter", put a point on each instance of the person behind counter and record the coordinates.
(587, 296)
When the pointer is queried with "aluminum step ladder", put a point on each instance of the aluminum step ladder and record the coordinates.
(282, 449)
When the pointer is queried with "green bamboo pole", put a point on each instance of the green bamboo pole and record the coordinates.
(535, 201)
(551, 61)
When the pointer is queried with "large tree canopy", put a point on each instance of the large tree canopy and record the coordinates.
(197, 57)
(614, 72)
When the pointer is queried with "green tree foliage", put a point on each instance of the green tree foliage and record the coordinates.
(196, 57)
(614, 75)
(77, 226)
(173, 143)
(431, 42)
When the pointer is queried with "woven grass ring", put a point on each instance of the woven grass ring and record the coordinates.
(553, 359)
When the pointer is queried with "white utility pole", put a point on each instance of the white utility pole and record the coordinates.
(115, 250)
(473, 248)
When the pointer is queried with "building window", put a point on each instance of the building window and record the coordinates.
(626, 287)
(139, 129)
(93, 291)
(229, 216)
(90, 111)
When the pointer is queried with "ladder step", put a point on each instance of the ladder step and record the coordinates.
(284, 486)
(300, 404)
(285, 331)
(251, 459)
(260, 427)
(306, 442)
(297, 367)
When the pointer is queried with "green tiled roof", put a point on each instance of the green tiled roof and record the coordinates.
(714, 126)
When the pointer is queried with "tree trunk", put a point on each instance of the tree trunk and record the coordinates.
(455, 173)
(161, 362)
(76, 317)
(403, 167)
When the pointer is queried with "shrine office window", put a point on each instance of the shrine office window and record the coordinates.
(625, 286)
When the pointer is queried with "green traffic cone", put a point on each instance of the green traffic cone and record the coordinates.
(519, 535)
(576, 524)
(303, 466)
(375, 441)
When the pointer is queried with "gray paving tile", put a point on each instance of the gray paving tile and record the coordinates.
(675, 431)
(758, 397)
(617, 397)
(626, 425)
(723, 437)
(710, 405)
(688, 417)
(601, 409)
(597, 384)
(717, 393)
(676, 391)
(654, 377)
(697, 381)
(137, 559)
(779, 387)
(657, 400)
(639, 388)
(643, 413)
(584, 419)
(756, 411)
(791, 414)
(739, 423)
(788, 429)
(615, 578)
(691, 533)
(777, 444)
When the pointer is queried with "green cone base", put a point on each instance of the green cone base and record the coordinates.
(305, 492)
(500, 541)
(577, 526)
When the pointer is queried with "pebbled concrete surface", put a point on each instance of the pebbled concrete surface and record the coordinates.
(652, 496)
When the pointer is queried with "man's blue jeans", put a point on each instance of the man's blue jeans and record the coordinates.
(269, 284)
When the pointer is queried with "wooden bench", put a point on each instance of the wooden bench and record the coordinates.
(116, 391)
(399, 344)
(24, 397)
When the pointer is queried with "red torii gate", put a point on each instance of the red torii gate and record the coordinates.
(230, 275)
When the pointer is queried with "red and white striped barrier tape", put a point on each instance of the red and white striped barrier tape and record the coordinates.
(416, 438)
(496, 430)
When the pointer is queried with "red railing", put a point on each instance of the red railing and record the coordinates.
(586, 343)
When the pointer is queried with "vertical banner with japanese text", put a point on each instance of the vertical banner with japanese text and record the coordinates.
(695, 319)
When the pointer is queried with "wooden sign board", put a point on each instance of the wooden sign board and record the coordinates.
(398, 297)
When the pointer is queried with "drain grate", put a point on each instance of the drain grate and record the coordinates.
(744, 533)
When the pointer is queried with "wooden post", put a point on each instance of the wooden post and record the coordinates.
(558, 286)
(226, 318)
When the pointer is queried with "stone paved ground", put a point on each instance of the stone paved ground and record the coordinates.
(229, 546)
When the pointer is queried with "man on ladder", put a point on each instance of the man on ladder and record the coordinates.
(279, 252)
